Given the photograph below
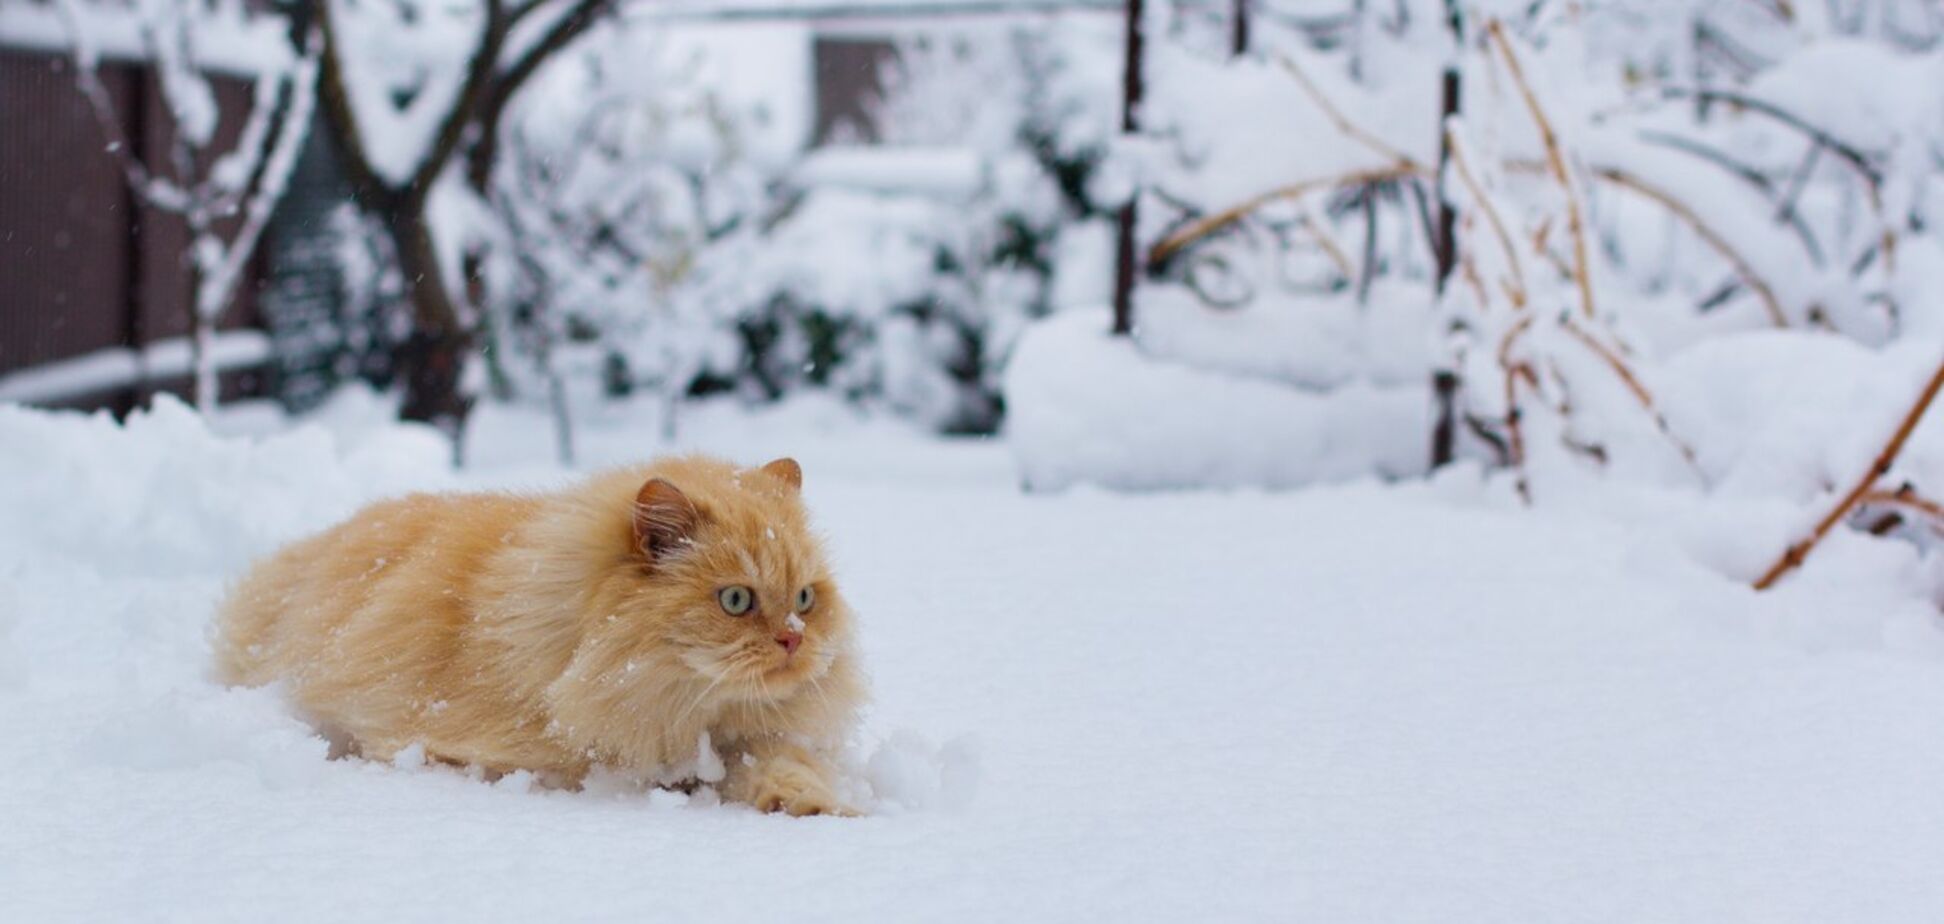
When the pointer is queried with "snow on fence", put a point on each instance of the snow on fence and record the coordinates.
(123, 367)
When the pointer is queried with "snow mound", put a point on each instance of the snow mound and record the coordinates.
(1084, 406)
(908, 772)
(161, 495)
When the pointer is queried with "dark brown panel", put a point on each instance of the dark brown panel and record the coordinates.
(63, 217)
(82, 268)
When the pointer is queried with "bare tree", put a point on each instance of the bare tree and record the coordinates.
(393, 178)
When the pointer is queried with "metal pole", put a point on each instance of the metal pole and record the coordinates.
(1444, 246)
(1126, 258)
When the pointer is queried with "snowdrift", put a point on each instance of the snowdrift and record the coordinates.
(1083, 406)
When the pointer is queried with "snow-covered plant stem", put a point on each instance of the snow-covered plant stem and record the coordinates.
(1798, 552)
(1556, 163)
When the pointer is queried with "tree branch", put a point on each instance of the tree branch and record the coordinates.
(570, 26)
(1210, 224)
(1714, 238)
(372, 191)
(1349, 129)
(472, 95)
(1746, 174)
(1618, 364)
(1794, 556)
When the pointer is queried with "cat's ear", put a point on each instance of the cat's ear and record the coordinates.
(787, 471)
(664, 518)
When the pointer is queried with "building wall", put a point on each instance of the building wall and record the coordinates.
(83, 267)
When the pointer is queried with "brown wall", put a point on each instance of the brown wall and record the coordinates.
(849, 85)
(82, 267)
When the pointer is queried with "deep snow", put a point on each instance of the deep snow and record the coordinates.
(1345, 703)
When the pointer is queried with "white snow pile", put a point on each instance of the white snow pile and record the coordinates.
(1347, 703)
(1086, 406)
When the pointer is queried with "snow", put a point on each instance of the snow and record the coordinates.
(945, 172)
(1350, 702)
(231, 37)
(1087, 407)
(119, 367)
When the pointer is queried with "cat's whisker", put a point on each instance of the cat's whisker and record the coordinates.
(823, 695)
(697, 701)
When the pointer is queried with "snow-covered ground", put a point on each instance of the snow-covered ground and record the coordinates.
(1346, 703)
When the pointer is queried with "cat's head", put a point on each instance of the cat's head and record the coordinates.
(732, 578)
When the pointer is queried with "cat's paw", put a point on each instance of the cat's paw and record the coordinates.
(802, 804)
(797, 789)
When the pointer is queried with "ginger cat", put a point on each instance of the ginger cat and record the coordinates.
(611, 624)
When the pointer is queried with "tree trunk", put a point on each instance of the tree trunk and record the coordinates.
(431, 361)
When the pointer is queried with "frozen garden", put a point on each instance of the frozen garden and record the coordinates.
(1339, 460)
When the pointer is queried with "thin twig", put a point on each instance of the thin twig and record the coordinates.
(1714, 238)
(1746, 174)
(1906, 497)
(1209, 224)
(1793, 557)
(1516, 290)
(1556, 160)
(1864, 164)
(1620, 368)
(1343, 124)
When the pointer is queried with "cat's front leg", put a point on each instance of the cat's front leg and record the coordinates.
(776, 776)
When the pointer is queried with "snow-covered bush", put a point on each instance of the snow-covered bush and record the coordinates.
(1626, 186)
(920, 261)
(631, 193)
(663, 234)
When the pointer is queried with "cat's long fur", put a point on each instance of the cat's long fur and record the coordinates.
(557, 632)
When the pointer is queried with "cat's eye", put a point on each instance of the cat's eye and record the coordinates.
(736, 600)
(806, 598)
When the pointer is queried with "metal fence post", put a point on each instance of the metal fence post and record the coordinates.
(1126, 259)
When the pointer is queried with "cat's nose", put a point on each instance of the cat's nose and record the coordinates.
(789, 639)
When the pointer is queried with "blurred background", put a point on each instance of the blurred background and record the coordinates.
(1387, 233)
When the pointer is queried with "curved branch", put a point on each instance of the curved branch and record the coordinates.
(1746, 174)
(1794, 556)
(1556, 161)
(466, 104)
(1639, 391)
(1209, 224)
(570, 26)
(1863, 163)
(1848, 152)
(1343, 124)
(1906, 497)
(371, 189)
(1714, 238)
